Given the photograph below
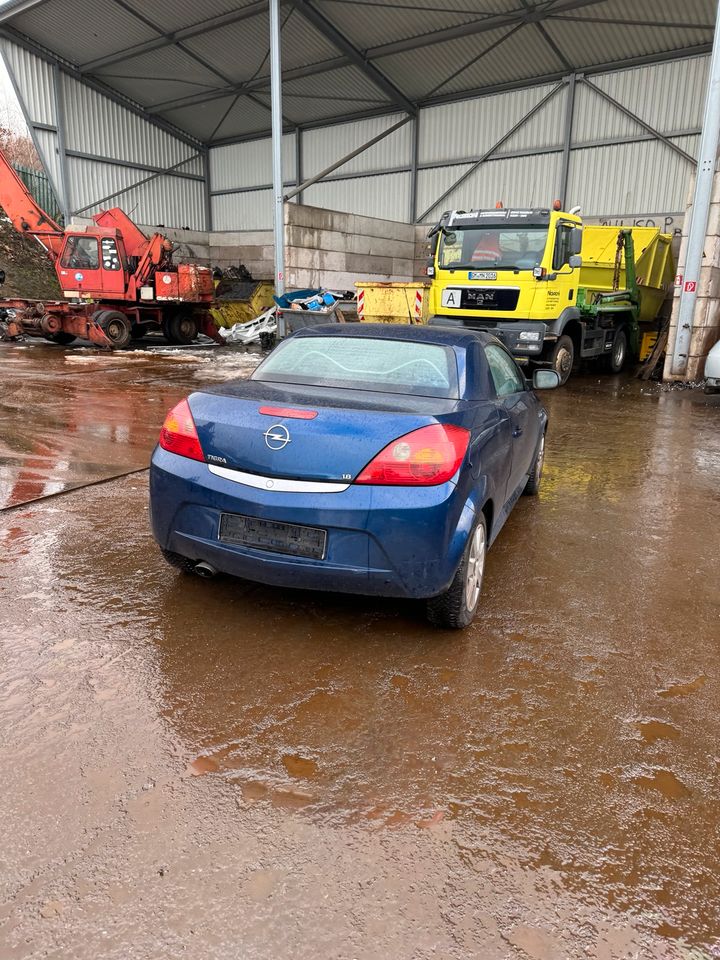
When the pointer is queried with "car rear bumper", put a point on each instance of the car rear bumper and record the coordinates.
(383, 541)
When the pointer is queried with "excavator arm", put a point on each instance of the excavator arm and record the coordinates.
(26, 216)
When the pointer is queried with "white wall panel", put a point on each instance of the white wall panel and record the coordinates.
(631, 178)
(243, 211)
(519, 181)
(169, 201)
(455, 131)
(324, 146)
(385, 197)
(249, 164)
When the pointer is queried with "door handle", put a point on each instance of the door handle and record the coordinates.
(517, 432)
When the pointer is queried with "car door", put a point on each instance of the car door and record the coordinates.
(517, 403)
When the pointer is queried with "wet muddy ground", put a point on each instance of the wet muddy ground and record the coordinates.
(217, 769)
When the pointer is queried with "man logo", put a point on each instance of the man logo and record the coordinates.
(277, 436)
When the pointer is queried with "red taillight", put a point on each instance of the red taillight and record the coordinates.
(425, 457)
(178, 434)
(288, 412)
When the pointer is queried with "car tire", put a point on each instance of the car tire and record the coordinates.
(183, 564)
(455, 608)
(615, 360)
(562, 359)
(532, 487)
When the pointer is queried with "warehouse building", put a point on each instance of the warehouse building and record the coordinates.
(392, 112)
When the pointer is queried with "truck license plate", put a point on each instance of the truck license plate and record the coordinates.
(482, 275)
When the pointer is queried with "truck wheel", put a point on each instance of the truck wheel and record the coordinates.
(456, 607)
(181, 328)
(532, 487)
(116, 327)
(563, 358)
(615, 360)
(62, 338)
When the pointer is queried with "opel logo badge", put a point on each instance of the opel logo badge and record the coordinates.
(277, 436)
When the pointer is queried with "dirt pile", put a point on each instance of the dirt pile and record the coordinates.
(28, 270)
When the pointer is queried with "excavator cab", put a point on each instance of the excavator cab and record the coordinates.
(93, 264)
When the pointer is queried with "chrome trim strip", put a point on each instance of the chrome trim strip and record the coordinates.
(276, 484)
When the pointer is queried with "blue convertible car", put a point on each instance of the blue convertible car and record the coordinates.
(366, 459)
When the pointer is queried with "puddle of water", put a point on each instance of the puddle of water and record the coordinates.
(665, 782)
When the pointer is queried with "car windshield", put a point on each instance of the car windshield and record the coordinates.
(492, 248)
(364, 363)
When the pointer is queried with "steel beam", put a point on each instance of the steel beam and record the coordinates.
(298, 163)
(133, 165)
(486, 156)
(133, 186)
(277, 146)
(699, 212)
(59, 104)
(639, 120)
(414, 160)
(355, 56)
(349, 156)
(14, 9)
(567, 138)
(207, 195)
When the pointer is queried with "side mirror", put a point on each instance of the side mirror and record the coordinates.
(545, 379)
(575, 261)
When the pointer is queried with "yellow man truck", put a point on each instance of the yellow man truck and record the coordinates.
(555, 291)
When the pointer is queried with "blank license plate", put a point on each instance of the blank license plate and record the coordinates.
(289, 538)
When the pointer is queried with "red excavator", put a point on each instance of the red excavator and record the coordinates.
(117, 282)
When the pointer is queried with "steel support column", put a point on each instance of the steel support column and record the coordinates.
(414, 155)
(59, 98)
(699, 212)
(298, 162)
(207, 192)
(277, 144)
(567, 140)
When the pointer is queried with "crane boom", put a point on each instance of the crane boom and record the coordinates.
(26, 216)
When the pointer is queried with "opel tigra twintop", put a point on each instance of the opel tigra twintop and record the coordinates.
(369, 459)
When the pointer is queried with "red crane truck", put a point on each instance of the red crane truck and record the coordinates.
(117, 282)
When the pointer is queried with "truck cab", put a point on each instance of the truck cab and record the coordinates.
(514, 272)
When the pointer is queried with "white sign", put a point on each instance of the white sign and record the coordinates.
(451, 297)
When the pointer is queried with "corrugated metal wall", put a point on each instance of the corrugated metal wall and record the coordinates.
(616, 168)
(101, 128)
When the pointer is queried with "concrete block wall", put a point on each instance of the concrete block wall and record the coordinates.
(706, 321)
(253, 248)
(333, 249)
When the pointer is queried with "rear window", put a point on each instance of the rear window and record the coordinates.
(362, 363)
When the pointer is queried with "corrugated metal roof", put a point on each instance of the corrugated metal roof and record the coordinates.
(77, 30)
(426, 47)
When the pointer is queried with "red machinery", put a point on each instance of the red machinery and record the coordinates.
(118, 283)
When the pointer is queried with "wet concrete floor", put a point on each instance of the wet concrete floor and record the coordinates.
(217, 769)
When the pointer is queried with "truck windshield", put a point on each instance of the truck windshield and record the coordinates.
(492, 248)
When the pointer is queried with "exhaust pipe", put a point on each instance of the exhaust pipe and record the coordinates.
(205, 570)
